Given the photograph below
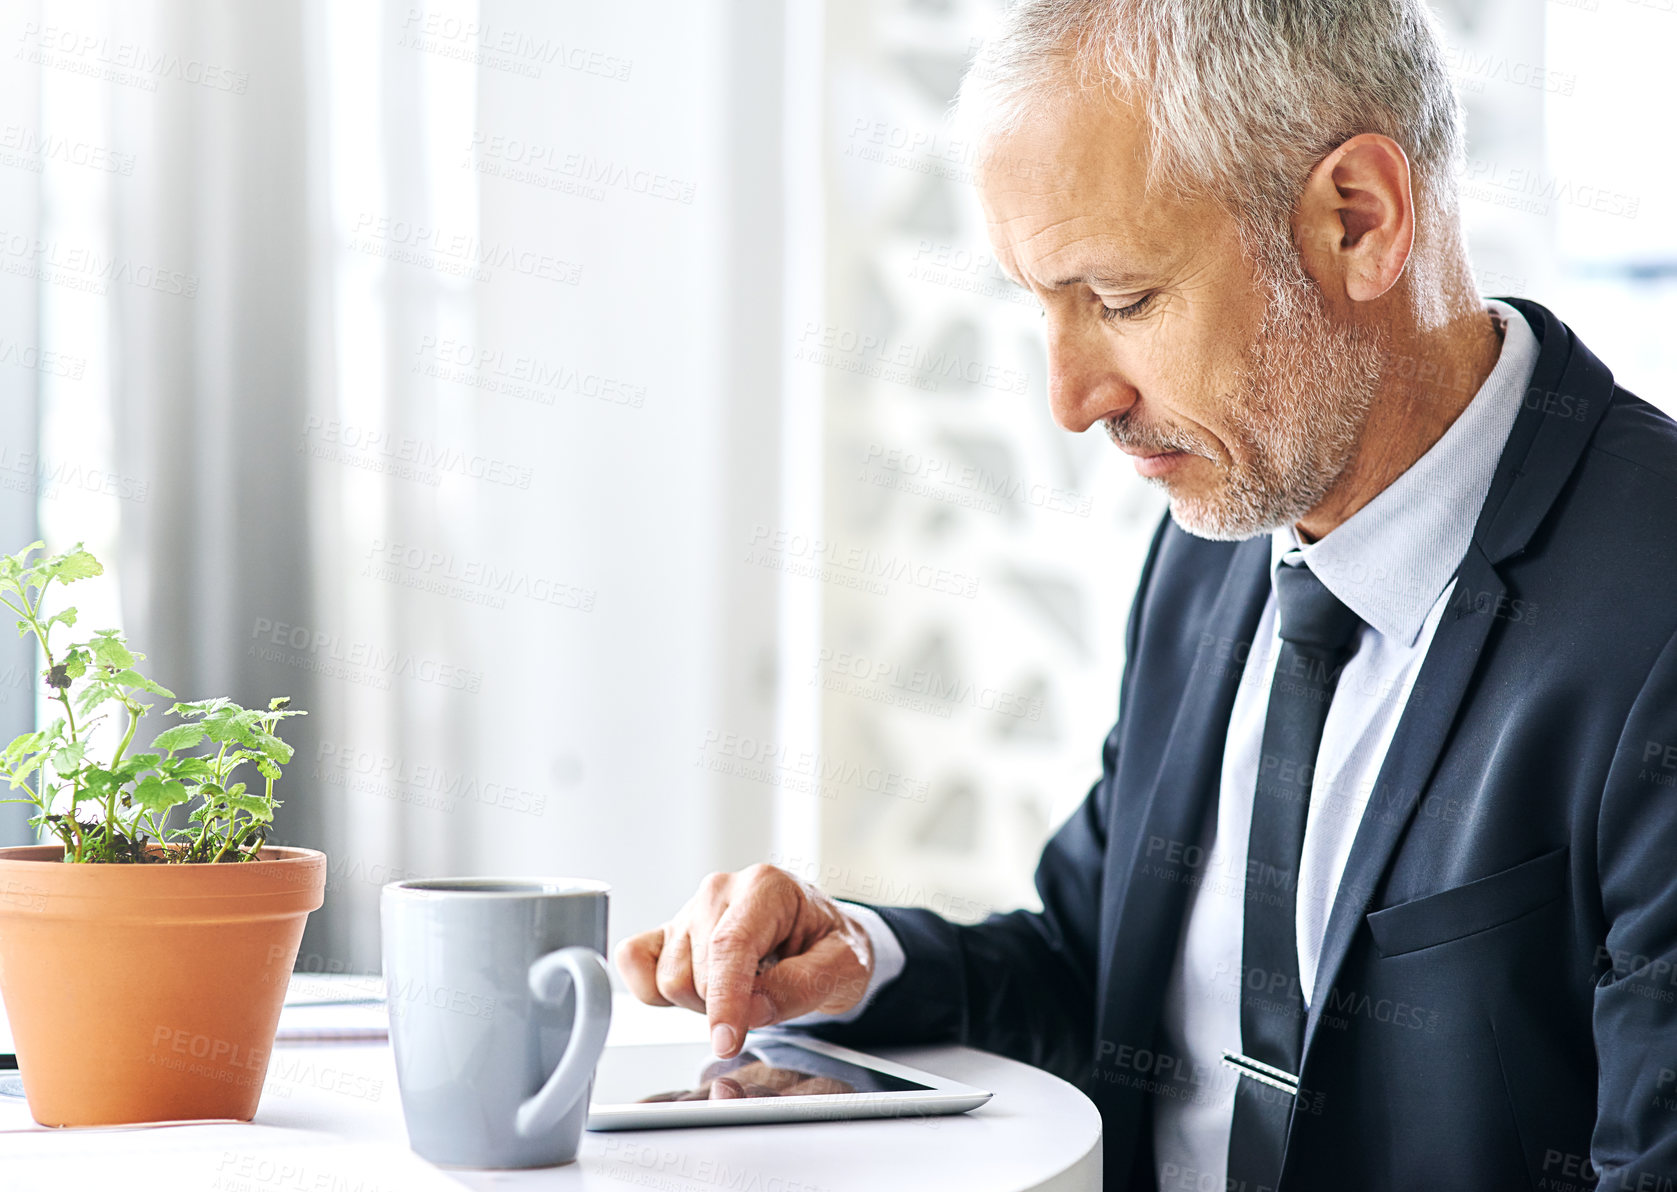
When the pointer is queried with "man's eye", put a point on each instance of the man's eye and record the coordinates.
(1127, 312)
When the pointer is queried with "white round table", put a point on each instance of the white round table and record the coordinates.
(331, 1121)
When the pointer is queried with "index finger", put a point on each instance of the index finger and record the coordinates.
(748, 930)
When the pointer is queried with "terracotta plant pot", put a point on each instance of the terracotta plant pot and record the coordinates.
(148, 993)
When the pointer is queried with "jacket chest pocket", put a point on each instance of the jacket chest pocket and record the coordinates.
(1467, 910)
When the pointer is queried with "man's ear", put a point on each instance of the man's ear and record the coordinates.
(1355, 221)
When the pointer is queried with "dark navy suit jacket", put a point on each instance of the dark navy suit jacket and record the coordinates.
(1496, 1006)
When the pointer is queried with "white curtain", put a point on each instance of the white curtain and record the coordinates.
(213, 370)
(464, 431)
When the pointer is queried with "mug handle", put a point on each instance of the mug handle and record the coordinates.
(584, 969)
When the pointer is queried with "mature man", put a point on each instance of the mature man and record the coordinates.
(1378, 888)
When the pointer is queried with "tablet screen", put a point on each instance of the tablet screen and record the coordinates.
(766, 1068)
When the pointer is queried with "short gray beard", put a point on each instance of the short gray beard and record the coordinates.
(1296, 418)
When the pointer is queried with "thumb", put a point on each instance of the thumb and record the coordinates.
(828, 977)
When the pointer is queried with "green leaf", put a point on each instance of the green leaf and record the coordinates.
(23, 743)
(64, 616)
(254, 806)
(181, 736)
(192, 709)
(268, 769)
(133, 678)
(22, 770)
(135, 764)
(68, 758)
(68, 567)
(156, 794)
(12, 567)
(232, 723)
(99, 782)
(109, 648)
(75, 663)
(187, 768)
(95, 694)
(273, 747)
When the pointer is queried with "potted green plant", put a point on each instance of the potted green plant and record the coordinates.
(143, 956)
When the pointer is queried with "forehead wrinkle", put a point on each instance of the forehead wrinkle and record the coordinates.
(1094, 265)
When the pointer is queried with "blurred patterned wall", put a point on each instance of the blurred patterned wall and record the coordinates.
(979, 560)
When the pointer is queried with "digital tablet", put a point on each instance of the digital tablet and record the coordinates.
(778, 1076)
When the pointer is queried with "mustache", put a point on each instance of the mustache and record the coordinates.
(1150, 440)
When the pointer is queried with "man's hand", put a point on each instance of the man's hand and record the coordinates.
(749, 949)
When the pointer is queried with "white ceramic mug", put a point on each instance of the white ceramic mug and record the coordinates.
(499, 1005)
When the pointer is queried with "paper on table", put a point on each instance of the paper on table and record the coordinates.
(333, 1008)
(322, 989)
(332, 1024)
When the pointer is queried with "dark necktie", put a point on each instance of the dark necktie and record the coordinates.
(1318, 635)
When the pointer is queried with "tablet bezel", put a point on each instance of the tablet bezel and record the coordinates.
(940, 1096)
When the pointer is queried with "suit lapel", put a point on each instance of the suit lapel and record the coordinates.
(1191, 763)
(1416, 745)
(1139, 942)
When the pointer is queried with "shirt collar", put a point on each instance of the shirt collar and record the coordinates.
(1389, 561)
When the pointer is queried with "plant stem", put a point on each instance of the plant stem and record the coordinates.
(231, 836)
(69, 712)
(221, 781)
(32, 613)
(41, 635)
(38, 796)
(128, 737)
(110, 799)
(75, 830)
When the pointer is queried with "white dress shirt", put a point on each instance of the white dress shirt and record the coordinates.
(1392, 563)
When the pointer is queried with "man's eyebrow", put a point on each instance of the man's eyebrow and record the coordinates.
(1119, 280)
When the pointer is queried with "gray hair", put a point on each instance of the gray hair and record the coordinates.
(1244, 96)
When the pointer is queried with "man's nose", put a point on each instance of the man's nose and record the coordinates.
(1086, 384)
